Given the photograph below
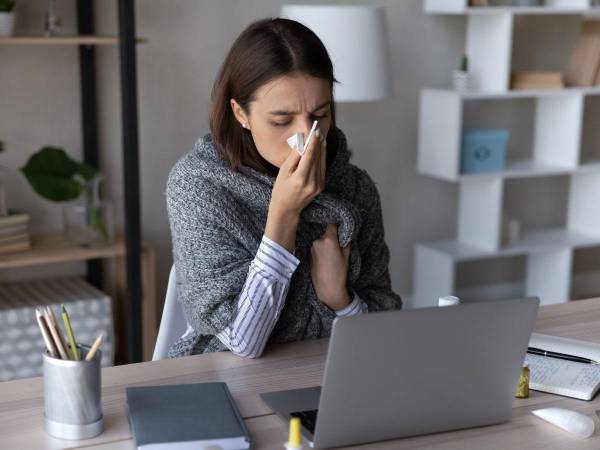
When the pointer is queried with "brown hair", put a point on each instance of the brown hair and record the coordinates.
(265, 50)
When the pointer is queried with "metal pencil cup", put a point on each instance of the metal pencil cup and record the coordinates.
(72, 396)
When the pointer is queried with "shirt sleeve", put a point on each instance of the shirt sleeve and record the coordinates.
(355, 308)
(261, 300)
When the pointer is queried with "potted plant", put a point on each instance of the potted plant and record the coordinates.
(7, 17)
(462, 78)
(58, 178)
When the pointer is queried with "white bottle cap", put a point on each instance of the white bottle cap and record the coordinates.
(448, 300)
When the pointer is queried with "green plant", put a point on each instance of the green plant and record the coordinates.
(7, 5)
(56, 177)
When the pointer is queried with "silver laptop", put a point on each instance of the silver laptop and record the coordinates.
(393, 374)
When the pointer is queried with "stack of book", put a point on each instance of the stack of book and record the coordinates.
(14, 232)
(537, 80)
(584, 65)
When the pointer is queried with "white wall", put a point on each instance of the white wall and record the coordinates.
(187, 41)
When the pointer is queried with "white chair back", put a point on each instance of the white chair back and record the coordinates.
(172, 324)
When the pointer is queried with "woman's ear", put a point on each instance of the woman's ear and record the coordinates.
(239, 113)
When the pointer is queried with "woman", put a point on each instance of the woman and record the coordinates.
(270, 245)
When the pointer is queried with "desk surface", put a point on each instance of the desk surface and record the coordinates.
(291, 366)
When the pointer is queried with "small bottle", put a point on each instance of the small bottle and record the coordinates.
(523, 386)
(448, 300)
(295, 439)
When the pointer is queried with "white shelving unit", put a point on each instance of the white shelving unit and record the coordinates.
(556, 151)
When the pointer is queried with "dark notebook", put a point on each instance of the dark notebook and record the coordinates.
(185, 416)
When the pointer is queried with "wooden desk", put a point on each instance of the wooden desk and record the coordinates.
(295, 365)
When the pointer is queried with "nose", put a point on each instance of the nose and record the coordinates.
(307, 124)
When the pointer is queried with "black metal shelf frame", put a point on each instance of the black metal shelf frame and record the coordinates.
(130, 152)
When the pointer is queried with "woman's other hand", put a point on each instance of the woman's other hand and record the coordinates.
(329, 269)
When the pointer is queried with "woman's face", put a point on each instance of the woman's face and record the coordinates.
(284, 106)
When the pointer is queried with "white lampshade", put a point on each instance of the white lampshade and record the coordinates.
(356, 39)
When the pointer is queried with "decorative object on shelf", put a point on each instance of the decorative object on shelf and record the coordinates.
(7, 17)
(463, 80)
(88, 220)
(52, 20)
(511, 230)
(584, 65)
(56, 177)
(483, 150)
(537, 80)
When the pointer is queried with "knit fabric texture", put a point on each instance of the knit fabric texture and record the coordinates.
(217, 218)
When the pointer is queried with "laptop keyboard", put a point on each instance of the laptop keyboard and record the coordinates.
(307, 418)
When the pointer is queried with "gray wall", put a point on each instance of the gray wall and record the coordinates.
(187, 41)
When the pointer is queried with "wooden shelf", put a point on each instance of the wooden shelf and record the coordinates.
(52, 248)
(63, 40)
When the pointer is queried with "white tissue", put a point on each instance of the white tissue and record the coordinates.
(571, 421)
(296, 142)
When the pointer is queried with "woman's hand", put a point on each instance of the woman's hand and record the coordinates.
(329, 269)
(301, 178)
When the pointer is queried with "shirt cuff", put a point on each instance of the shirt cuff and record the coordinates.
(354, 308)
(275, 259)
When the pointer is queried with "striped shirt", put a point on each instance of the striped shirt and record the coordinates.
(263, 297)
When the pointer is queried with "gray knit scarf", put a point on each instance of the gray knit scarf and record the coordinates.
(217, 218)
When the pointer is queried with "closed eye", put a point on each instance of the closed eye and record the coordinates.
(284, 124)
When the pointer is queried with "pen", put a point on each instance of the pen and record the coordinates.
(45, 333)
(60, 334)
(54, 333)
(94, 348)
(67, 323)
(579, 359)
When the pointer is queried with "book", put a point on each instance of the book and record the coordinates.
(537, 80)
(14, 218)
(14, 238)
(13, 230)
(185, 416)
(17, 246)
(563, 377)
(584, 64)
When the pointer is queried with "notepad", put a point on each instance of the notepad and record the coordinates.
(185, 417)
(562, 377)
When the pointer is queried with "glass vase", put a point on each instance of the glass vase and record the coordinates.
(88, 220)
